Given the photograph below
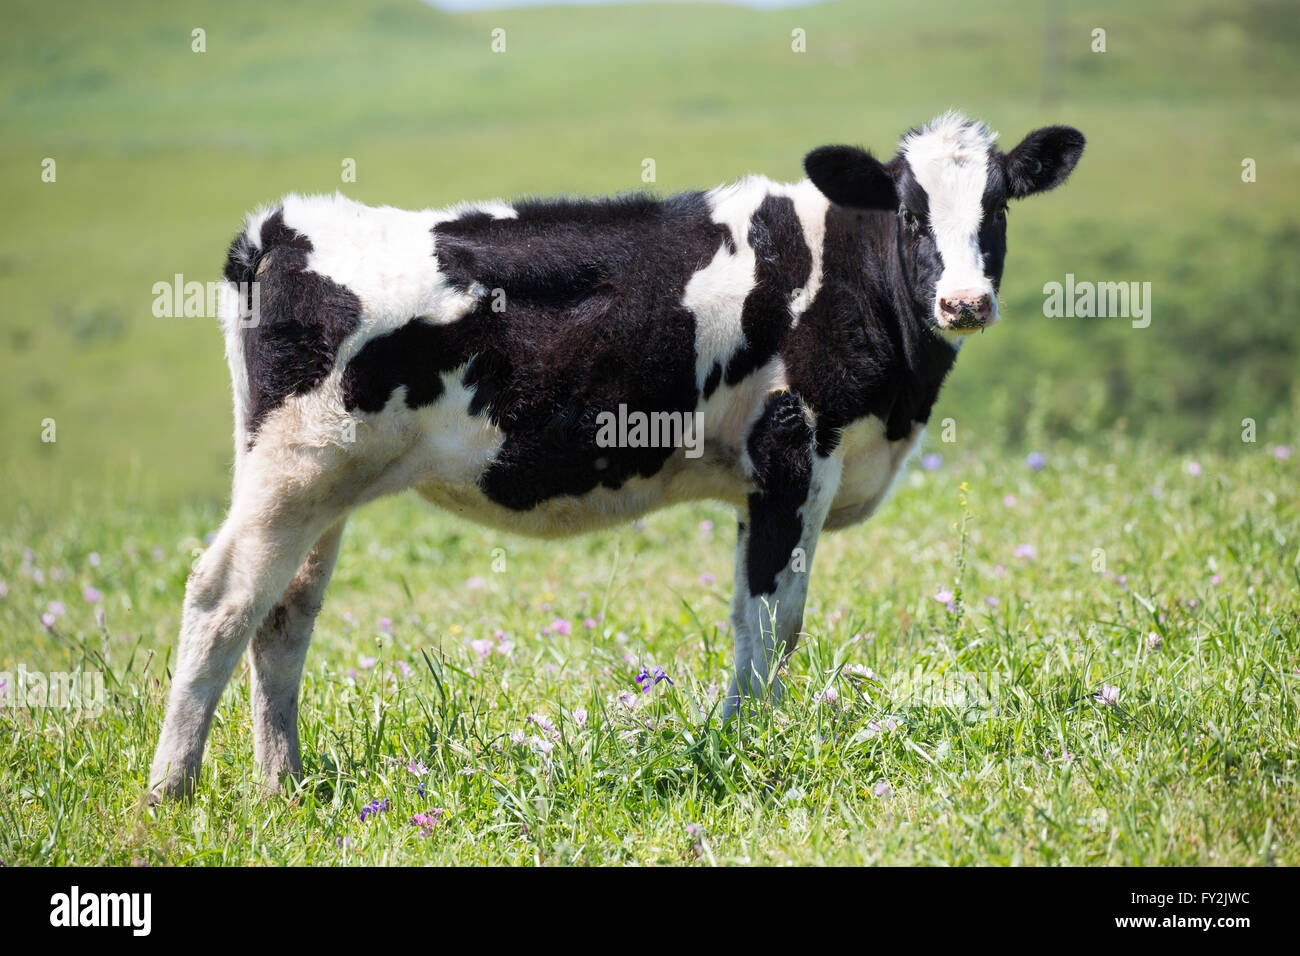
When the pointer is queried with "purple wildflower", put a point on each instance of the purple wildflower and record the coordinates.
(1108, 695)
(650, 676)
(562, 626)
(932, 462)
(884, 725)
(427, 821)
(544, 724)
(1065, 758)
(374, 808)
(93, 595)
(419, 769)
(1036, 460)
(828, 696)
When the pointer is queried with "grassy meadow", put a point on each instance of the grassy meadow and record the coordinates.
(1090, 662)
(914, 732)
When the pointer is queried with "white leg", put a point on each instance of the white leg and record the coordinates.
(775, 545)
(278, 651)
(255, 556)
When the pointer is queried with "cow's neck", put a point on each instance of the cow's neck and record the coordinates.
(926, 356)
(864, 325)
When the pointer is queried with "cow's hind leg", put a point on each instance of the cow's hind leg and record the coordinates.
(278, 652)
(264, 541)
(774, 549)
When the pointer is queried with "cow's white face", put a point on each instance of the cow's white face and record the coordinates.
(952, 203)
(949, 185)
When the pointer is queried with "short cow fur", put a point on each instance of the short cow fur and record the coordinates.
(470, 353)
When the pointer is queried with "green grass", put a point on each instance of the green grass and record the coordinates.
(1196, 764)
(160, 152)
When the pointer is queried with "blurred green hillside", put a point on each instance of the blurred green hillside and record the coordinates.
(160, 151)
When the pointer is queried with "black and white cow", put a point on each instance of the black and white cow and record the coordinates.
(470, 353)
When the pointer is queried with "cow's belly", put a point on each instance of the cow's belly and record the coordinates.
(870, 465)
(601, 507)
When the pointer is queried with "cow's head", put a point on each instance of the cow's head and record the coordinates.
(949, 185)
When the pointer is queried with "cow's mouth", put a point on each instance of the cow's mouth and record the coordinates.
(966, 322)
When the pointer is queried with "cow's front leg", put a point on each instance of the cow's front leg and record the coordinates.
(774, 547)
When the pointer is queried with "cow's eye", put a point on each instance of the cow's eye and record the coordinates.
(1001, 215)
(909, 219)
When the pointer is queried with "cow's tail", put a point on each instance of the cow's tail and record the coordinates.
(240, 310)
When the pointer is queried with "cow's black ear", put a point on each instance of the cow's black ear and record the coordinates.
(1043, 160)
(849, 176)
